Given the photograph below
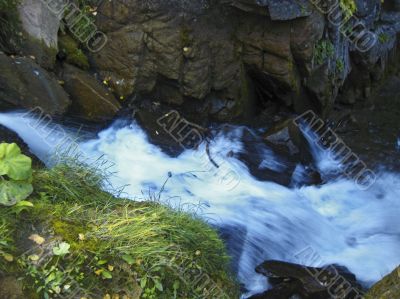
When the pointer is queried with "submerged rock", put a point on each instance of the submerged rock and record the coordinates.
(307, 282)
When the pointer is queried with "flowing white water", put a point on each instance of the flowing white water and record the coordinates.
(340, 223)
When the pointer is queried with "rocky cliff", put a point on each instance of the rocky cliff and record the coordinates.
(233, 58)
(223, 59)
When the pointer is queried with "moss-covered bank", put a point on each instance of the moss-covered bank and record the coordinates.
(72, 239)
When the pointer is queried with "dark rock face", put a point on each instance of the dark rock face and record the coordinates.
(197, 54)
(307, 282)
(238, 51)
(90, 100)
(25, 84)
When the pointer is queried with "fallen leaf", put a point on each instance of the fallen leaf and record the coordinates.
(81, 237)
(8, 257)
(37, 239)
(33, 257)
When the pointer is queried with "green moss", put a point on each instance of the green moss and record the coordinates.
(74, 55)
(383, 38)
(387, 288)
(339, 65)
(116, 246)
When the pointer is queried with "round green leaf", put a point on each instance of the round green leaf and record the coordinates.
(12, 192)
(14, 164)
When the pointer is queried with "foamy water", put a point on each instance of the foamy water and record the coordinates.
(339, 222)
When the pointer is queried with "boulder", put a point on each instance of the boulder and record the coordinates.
(90, 99)
(25, 84)
(41, 26)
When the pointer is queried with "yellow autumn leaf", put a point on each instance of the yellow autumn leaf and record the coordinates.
(8, 257)
(33, 257)
(37, 239)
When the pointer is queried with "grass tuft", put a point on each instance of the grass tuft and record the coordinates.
(113, 247)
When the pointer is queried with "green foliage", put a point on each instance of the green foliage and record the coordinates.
(61, 249)
(349, 7)
(6, 242)
(15, 174)
(111, 246)
(323, 50)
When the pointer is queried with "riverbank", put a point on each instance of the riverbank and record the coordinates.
(70, 239)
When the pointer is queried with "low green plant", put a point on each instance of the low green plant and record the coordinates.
(349, 7)
(15, 174)
(323, 50)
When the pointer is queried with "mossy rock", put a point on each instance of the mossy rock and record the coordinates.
(74, 55)
(387, 288)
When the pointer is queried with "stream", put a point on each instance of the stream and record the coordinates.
(259, 220)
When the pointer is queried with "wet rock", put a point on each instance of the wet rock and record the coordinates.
(148, 120)
(307, 282)
(387, 288)
(23, 83)
(265, 160)
(90, 100)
